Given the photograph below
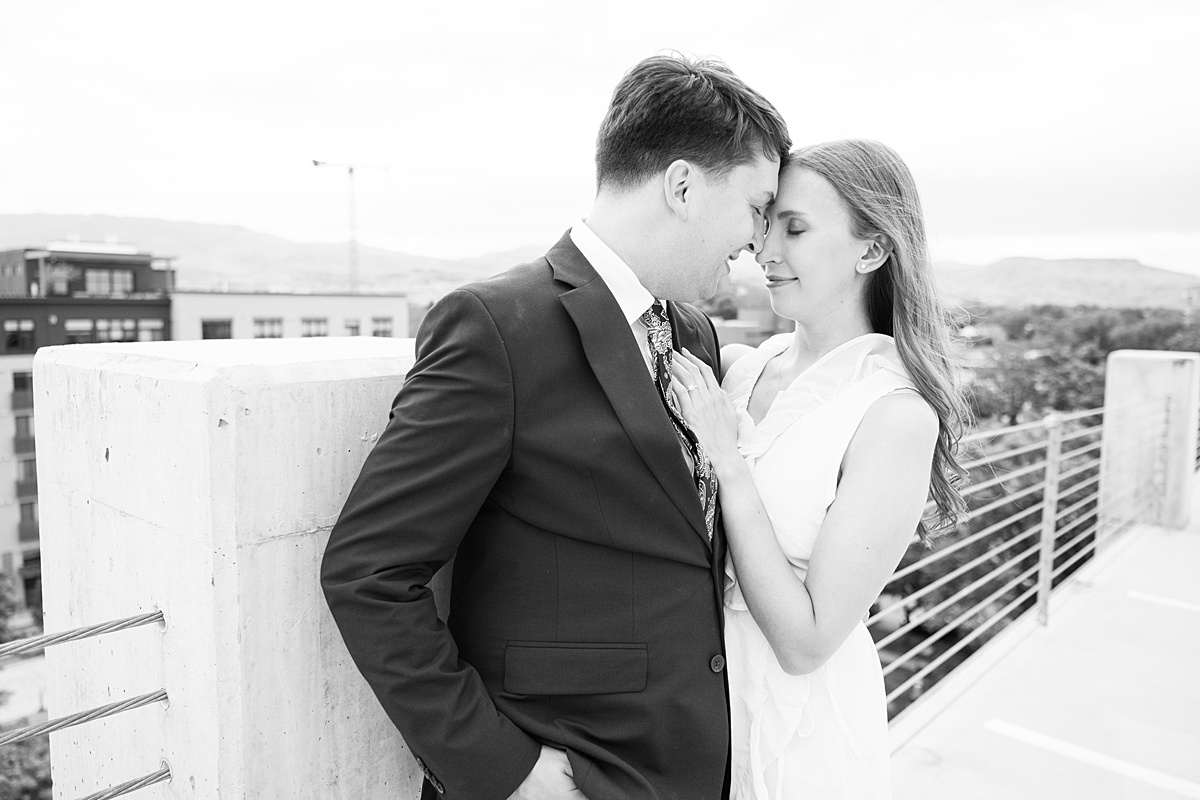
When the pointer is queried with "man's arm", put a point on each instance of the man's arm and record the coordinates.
(448, 440)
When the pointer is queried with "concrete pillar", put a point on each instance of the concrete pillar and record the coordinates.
(1148, 455)
(202, 478)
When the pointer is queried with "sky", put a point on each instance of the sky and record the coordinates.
(1052, 128)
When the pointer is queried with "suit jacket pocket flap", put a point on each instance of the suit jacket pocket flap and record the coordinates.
(551, 668)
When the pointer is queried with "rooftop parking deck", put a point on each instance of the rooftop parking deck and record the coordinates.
(1103, 703)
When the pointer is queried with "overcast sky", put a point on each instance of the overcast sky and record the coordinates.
(1049, 127)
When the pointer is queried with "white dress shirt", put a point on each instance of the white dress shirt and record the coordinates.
(631, 296)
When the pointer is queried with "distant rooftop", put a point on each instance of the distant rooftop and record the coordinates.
(113, 248)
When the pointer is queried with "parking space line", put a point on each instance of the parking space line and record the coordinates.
(1094, 758)
(1166, 601)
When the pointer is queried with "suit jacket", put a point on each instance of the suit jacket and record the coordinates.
(585, 612)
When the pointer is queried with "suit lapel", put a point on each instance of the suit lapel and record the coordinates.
(618, 366)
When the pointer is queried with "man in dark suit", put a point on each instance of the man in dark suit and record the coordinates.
(582, 656)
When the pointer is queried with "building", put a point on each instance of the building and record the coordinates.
(272, 315)
(64, 293)
(76, 292)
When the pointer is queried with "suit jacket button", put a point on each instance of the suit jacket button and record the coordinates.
(717, 664)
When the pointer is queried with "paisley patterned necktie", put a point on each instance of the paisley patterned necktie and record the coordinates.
(658, 327)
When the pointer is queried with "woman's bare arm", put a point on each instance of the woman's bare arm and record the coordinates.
(880, 498)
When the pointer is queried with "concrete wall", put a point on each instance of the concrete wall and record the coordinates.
(189, 309)
(1152, 411)
(202, 478)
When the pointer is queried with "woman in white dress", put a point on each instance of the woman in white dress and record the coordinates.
(826, 444)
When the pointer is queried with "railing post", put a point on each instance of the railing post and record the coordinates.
(1142, 453)
(1053, 425)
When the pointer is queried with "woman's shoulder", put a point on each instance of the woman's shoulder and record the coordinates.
(902, 419)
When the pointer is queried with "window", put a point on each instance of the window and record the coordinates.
(27, 470)
(78, 331)
(313, 326)
(352, 327)
(97, 281)
(107, 282)
(150, 330)
(29, 512)
(269, 328)
(116, 330)
(18, 336)
(381, 326)
(22, 381)
(216, 329)
(122, 281)
(24, 426)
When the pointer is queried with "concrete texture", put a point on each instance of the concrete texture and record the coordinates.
(202, 478)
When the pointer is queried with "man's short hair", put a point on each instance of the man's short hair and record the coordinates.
(671, 107)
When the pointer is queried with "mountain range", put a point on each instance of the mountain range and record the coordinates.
(230, 257)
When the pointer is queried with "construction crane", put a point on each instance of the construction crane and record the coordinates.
(353, 244)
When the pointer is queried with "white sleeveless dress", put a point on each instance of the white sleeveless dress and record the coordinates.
(821, 736)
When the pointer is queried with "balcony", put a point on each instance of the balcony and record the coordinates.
(23, 445)
(22, 399)
(27, 531)
(27, 488)
(191, 505)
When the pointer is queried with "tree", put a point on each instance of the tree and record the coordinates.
(24, 766)
(25, 770)
(8, 605)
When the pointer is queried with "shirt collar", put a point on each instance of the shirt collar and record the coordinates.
(631, 296)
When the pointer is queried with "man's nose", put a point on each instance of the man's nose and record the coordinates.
(764, 255)
(758, 243)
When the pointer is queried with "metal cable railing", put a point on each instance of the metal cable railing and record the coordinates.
(942, 581)
(162, 775)
(954, 598)
(1035, 493)
(99, 712)
(37, 643)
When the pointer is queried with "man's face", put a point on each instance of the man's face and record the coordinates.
(728, 217)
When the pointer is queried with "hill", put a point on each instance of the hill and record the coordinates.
(231, 257)
(225, 256)
(1070, 282)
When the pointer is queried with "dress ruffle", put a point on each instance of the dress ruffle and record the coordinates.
(839, 369)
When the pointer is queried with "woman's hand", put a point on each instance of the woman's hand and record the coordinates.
(706, 409)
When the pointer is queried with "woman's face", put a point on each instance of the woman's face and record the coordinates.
(810, 256)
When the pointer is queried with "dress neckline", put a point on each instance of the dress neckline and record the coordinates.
(773, 348)
(833, 373)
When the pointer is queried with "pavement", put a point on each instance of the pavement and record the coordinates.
(1103, 703)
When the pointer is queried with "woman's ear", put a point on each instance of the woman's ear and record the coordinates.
(875, 255)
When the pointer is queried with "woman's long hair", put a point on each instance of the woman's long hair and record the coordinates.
(881, 197)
